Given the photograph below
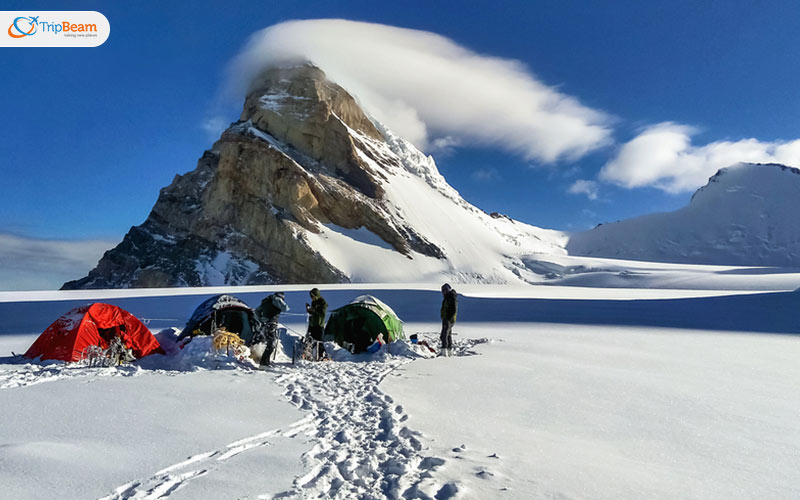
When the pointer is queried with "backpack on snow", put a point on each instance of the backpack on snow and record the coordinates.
(268, 310)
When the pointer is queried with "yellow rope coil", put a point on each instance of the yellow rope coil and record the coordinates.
(223, 339)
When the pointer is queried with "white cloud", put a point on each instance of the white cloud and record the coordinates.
(426, 87)
(41, 264)
(663, 156)
(583, 186)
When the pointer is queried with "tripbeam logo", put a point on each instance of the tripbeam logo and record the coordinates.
(54, 29)
(14, 31)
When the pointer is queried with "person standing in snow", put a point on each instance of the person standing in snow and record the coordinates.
(316, 319)
(268, 313)
(449, 312)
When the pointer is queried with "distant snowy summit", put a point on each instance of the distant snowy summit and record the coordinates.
(307, 188)
(745, 215)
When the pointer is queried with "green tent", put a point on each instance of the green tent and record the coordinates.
(361, 321)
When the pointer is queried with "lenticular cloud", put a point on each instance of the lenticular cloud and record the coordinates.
(426, 87)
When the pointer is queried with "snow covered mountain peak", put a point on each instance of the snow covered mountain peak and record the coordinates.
(306, 187)
(765, 179)
(741, 217)
(289, 100)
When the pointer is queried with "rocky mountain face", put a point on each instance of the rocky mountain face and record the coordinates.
(743, 216)
(306, 188)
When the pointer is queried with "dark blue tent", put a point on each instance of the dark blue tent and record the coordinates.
(222, 311)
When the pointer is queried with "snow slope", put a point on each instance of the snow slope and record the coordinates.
(567, 392)
(743, 216)
(477, 247)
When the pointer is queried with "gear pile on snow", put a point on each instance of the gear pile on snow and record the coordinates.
(222, 312)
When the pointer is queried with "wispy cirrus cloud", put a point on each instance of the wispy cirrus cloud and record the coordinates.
(45, 264)
(427, 87)
(664, 157)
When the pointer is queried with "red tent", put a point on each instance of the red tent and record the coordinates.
(94, 324)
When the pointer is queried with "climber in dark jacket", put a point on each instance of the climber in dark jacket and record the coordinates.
(268, 313)
(449, 312)
(316, 319)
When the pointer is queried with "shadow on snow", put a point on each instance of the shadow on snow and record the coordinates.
(775, 312)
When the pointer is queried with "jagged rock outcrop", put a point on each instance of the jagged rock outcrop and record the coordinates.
(303, 168)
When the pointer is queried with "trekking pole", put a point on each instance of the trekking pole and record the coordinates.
(307, 336)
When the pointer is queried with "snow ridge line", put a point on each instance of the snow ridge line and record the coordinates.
(362, 449)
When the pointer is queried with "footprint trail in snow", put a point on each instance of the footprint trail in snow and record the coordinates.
(168, 480)
(362, 449)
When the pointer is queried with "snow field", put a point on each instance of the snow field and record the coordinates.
(91, 437)
(601, 402)
(359, 445)
(611, 412)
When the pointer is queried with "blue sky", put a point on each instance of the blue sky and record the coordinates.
(91, 135)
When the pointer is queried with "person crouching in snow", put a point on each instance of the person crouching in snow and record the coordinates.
(268, 313)
(316, 319)
(449, 312)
